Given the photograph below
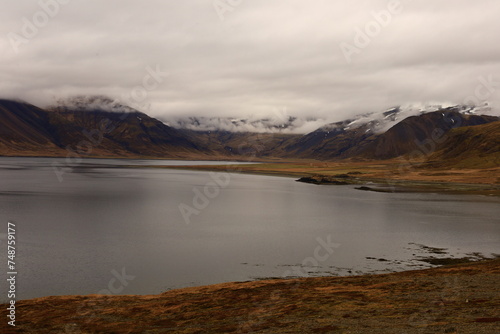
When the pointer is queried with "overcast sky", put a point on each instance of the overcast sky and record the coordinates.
(253, 57)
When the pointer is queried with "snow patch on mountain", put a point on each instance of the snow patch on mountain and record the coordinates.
(277, 121)
(381, 121)
(281, 122)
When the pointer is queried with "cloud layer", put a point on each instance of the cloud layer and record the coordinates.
(263, 55)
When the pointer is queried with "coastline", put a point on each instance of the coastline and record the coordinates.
(373, 176)
(461, 298)
(378, 176)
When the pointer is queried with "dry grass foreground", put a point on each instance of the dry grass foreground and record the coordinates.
(454, 299)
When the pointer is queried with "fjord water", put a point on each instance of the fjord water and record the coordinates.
(82, 233)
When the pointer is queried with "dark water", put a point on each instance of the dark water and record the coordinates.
(75, 236)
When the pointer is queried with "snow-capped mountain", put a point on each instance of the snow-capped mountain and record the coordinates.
(371, 122)
(99, 125)
(278, 121)
(379, 122)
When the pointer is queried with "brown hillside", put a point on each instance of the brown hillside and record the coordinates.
(329, 144)
(410, 134)
(119, 134)
(469, 147)
(25, 128)
(242, 145)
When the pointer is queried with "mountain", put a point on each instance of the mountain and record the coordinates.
(118, 129)
(96, 127)
(100, 127)
(281, 122)
(26, 130)
(469, 147)
(365, 137)
(376, 135)
(242, 145)
(415, 132)
(334, 141)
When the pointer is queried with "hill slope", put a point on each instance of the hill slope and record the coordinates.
(242, 145)
(345, 140)
(25, 130)
(119, 134)
(100, 127)
(28, 130)
(335, 141)
(413, 132)
(469, 147)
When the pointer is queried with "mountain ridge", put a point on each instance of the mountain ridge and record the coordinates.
(90, 132)
(101, 127)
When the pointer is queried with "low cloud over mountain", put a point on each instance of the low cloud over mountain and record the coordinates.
(282, 122)
(105, 128)
(259, 56)
(273, 124)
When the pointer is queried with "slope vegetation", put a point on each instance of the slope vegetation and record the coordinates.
(25, 130)
(413, 132)
(469, 147)
(99, 127)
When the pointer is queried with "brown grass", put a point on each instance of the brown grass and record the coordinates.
(456, 299)
(397, 172)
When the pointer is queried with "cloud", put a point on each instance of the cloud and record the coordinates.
(278, 121)
(265, 55)
(92, 103)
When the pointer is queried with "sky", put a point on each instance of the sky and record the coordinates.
(250, 58)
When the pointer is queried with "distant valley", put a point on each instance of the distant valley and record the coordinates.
(443, 137)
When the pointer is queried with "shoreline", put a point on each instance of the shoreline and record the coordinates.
(356, 174)
(460, 298)
(375, 176)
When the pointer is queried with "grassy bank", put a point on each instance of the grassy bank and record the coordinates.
(389, 176)
(452, 299)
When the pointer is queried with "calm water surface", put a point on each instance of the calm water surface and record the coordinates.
(75, 235)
